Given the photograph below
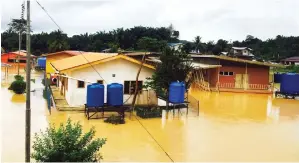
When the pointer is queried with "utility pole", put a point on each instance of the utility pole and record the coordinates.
(28, 71)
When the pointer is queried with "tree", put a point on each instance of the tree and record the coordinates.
(197, 43)
(175, 66)
(187, 47)
(67, 144)
(150, 44)
(58, 41)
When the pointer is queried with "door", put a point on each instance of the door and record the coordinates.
(239, 81)
(245, 81)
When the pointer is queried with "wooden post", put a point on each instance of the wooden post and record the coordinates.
(28, 109)
(245, 87)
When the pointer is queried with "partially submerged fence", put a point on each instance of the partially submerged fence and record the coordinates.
(48, 93)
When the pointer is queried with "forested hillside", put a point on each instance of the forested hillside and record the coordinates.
(272, 49)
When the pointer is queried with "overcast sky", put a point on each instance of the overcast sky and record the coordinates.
(210, 19)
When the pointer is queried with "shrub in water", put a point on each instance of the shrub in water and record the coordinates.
(18, 86)
(19, 77)
(67, 144)
(115, 120)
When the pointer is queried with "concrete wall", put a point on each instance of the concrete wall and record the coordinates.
(124, 71)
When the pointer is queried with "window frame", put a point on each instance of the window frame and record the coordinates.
(78, 84)
(226, 73)
(130, 89)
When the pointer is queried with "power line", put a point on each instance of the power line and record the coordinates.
(79, 51)
(48, 15)
(61, 30)
(107, 83)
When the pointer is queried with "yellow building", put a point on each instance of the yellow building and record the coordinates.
(51, 57)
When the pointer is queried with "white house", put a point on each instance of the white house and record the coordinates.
(242, 51)
(175, 46)
(79, 71)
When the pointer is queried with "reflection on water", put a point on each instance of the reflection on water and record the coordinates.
(230, 127)
(16, 98)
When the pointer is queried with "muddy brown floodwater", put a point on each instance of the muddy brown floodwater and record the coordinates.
(230, 127)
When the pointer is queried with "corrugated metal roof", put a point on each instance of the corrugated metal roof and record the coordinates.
(84, 58)
(238, 60)
(196, 65)
(70, 52)
(293, 59)
(90, 58)
(204, 66)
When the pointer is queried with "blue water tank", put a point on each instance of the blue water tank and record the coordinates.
(115, 95)
(95, 95)
(289, 83)
(277, 78)
(41, 62)
(177, 92)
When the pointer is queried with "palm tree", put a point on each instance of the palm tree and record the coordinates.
(197, 43)
(19, 26)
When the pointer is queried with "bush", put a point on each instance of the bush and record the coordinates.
(67, 144)
(18, 86)
(149, 112)
(19, 77)
(115, 120)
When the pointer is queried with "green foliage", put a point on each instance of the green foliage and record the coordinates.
(19, 77)
(150, 44)
(175, 66)
(18, 25)
(288, 69)
(148, 112)
(58, 41)
(18, 86)
(67, 144)
(115, 120)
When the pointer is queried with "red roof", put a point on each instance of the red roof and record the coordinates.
(22, 53)
(292, 59)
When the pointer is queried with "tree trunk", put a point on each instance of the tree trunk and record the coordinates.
(136, 84)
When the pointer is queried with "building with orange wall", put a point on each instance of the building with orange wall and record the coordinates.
(12, 57)
(51, 57)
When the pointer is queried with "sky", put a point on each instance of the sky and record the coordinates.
(211, 19)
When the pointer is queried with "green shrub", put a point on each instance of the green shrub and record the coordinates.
(148, 112)
(18, 86)
(19, 77)
(115, 120)
(67, 144)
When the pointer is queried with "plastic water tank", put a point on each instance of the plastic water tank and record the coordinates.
(95, 95)
(289, 83)
(115, 95)
(41, 62)
(277, 78)
(177, 92)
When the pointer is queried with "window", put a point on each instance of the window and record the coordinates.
(11, 60)
(100, 81)
(22, 61)
(81, 84)
(226, 73)
(129, 87)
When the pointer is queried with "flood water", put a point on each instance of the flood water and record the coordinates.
(230, 127)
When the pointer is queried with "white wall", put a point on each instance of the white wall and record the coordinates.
(123, 70)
